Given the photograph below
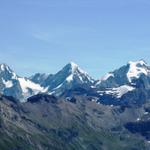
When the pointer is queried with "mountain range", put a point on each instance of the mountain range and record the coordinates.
(121, 86)
(70, 110)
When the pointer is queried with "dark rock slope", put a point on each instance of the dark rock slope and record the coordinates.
(48, 123)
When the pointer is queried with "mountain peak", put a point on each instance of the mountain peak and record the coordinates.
(133, 70)
(4, 67)
(7, 72)
(138, 63)
(136, 68)
(73, 66)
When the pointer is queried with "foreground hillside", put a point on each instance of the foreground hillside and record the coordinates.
(48, 123)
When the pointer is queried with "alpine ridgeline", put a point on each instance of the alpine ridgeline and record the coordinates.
(127, 85)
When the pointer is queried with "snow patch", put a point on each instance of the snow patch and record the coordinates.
(2, 66)
(117, 92)
(138, 119)
(93, 87)
(8, 84)
(123, 90)
(69, 78)
(108, 75)
(73, 66)
(136, 69)
(146, 113)
(27, 84)
(58, 86)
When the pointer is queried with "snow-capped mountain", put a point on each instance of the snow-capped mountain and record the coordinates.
(69, 77)
(130, 82)
(127, 74)
(13, 85)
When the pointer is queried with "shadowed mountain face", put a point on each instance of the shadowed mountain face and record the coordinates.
(45, 122)
(142, 127)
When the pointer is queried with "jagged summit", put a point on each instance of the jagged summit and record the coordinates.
(72, 76)
(6, 73)
(132, 77)
(72, 67)
(138, 62)
(16, 86)
(136, 69)
(5, 67)
(125, 74)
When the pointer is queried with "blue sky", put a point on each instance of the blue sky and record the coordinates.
(44, 35)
